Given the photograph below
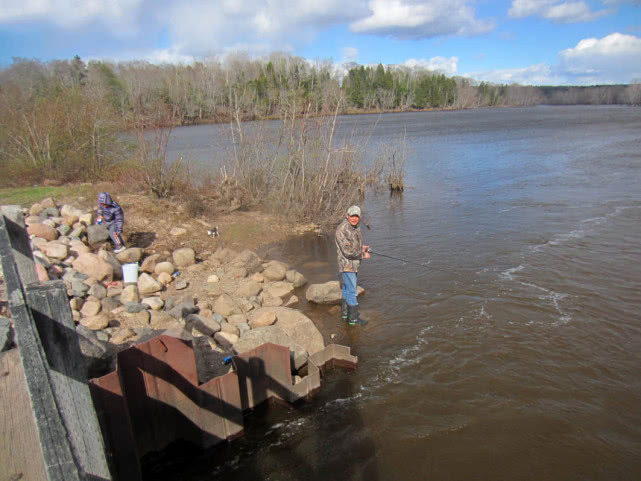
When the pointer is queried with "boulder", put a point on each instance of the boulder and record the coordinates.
(184, 257)
(166, 267)
(248, 289)
(249, 260)
(97, 233)
(95, 323)
(296, 278)
(296, 325)
(129, 255)
(226, 305)
(327, 293)
(148, 285)
(90, 308)
(44, 231)
(123, 335)
(49, 203)
(279, 289)
(262, 319)
(236, 272)
(162, 320)
(129, 294)
(35, 209)
(275, 271)
(155, 303)
(149, 264)
(98, 291)
(165, 279)
(256, 337)
(94, 266)
(136, 319)
(109, 304)
(56, 250)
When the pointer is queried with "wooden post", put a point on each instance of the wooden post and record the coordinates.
(70, 439)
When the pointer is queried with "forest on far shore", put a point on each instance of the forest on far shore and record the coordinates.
(61, 118)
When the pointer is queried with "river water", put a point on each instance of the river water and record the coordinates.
(514, 351)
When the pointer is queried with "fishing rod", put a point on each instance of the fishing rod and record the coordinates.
(424, 264)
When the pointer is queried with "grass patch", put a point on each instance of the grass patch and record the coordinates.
(26, 196)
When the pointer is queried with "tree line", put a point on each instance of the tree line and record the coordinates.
(62, 116)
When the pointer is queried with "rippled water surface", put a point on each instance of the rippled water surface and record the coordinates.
(516, 352)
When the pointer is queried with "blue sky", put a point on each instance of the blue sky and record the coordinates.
(531, 42)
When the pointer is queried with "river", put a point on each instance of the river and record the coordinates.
(510, 348)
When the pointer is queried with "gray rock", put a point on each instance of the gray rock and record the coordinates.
(296, 278)
(112, 261)
(275, 271)
(249, 260)
(97, 233)
(98, 291)
(64, 229)
(133, 307)
(327, 293)
(79, 288)
(109, 304)
(296, 325)
(205, 325)
(181, 311)
(49, 212)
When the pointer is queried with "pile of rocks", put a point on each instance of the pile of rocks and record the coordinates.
(242, 301)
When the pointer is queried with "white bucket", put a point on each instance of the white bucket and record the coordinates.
(130, 273)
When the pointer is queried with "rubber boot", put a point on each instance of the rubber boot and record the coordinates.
(354, 318)
(344, 311)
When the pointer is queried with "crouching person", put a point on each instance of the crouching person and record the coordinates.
(350, 251)
(113, 217)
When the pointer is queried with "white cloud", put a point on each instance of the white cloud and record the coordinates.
(71, 13)
(350, 54)
(413, 19)
(444, 65)
(555, 10)
(615, 58)
(540, 74)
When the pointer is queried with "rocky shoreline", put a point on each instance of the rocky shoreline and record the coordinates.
(224, 302)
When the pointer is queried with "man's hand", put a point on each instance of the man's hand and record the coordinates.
(366, 254)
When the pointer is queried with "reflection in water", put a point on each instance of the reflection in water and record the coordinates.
(515, 353)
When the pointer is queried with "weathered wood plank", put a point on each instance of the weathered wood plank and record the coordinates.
(56, 439)
(20, 453)
(67, 370)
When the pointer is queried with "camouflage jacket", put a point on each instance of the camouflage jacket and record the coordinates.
(349, 247)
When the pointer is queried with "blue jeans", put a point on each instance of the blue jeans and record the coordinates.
(348, 286)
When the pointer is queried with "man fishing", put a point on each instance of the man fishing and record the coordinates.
(350, 251)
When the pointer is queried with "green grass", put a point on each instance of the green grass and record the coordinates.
(26, 196)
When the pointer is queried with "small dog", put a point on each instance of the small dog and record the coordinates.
(213, 232)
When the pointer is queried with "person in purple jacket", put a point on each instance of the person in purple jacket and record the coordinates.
(112, 215)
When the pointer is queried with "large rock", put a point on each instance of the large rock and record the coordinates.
(296, 278)
(97, 233)
(148, 285)
(296, 325)
(130, 255)
(248, 289)
(94, 266)
(109, 257)
(204, 324)
(56, 250)
(184, 257)
(327, 293)
(262, 319)
(43, 230)
(149, 264)
(226, 339)
(226, 306)
(166, 267)
(275, 271)
(256, 337)
(279, 289)
(249, 260)
(95, 323)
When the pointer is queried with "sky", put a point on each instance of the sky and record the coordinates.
(529, 42)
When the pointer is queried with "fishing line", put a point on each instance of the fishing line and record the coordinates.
(424, 264)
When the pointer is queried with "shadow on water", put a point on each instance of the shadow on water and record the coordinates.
(318, 440)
